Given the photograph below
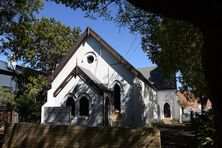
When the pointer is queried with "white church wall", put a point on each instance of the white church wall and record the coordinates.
(144, 103)
(151, 107)
(168, 96)
(138, 107)
(105, 67)
(95, 117)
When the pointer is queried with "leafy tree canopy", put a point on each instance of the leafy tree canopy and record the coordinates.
(14, 12)
(7, 97)
(175, 46)
(42, 44)
(39, 44)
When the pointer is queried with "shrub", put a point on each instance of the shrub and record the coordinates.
(155, 124)
(204, 129)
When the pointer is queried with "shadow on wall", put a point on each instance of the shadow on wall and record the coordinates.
(153, 108)
(94, 117)
(138, 106)
(36, 135)
(62, 115)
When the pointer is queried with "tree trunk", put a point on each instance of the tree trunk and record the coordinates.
(212, 56)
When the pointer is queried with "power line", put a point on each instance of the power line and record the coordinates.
(134, 51)
(131, 45)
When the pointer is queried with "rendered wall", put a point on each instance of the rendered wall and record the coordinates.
(168, 96)
(135, 104)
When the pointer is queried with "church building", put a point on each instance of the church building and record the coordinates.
(95, 86)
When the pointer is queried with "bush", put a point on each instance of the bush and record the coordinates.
(155, 124)
(204, 129)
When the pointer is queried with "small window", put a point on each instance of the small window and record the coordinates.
(71, 103)
(84, 107)
(90, 59)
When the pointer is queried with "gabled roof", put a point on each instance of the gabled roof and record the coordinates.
(90, 33)
(86, 76)
(93, 78)
(158, 79)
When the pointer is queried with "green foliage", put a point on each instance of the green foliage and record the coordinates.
(175, 121)
(98, 7)
(15, 16)
(39, 44)
(205, 129)
(7, 98)
(155, 124)
(29, 108)
(45, 45)
(175, 46)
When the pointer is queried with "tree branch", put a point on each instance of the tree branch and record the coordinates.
(187, 10)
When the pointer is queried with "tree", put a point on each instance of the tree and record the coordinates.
(14, 13)
(43, 44)
(174, 45)
(41, 49)
(7, 98)
(39, 45)
(206, 16)
(203, 14)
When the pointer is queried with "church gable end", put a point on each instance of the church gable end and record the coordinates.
(86, 35)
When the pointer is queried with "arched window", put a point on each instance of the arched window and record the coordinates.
(166, 108)
(84, 106)
(71, 103)
(117, 104)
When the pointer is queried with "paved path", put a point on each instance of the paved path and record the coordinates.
(177, 137)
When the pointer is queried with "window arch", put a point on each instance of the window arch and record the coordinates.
(116, 95)
(71, 103)
(84, 106)
(166, 110)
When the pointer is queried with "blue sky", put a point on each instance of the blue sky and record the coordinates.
(126, 43)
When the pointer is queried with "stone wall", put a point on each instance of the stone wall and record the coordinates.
(39, 135)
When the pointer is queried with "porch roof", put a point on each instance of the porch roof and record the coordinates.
(86, 76)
